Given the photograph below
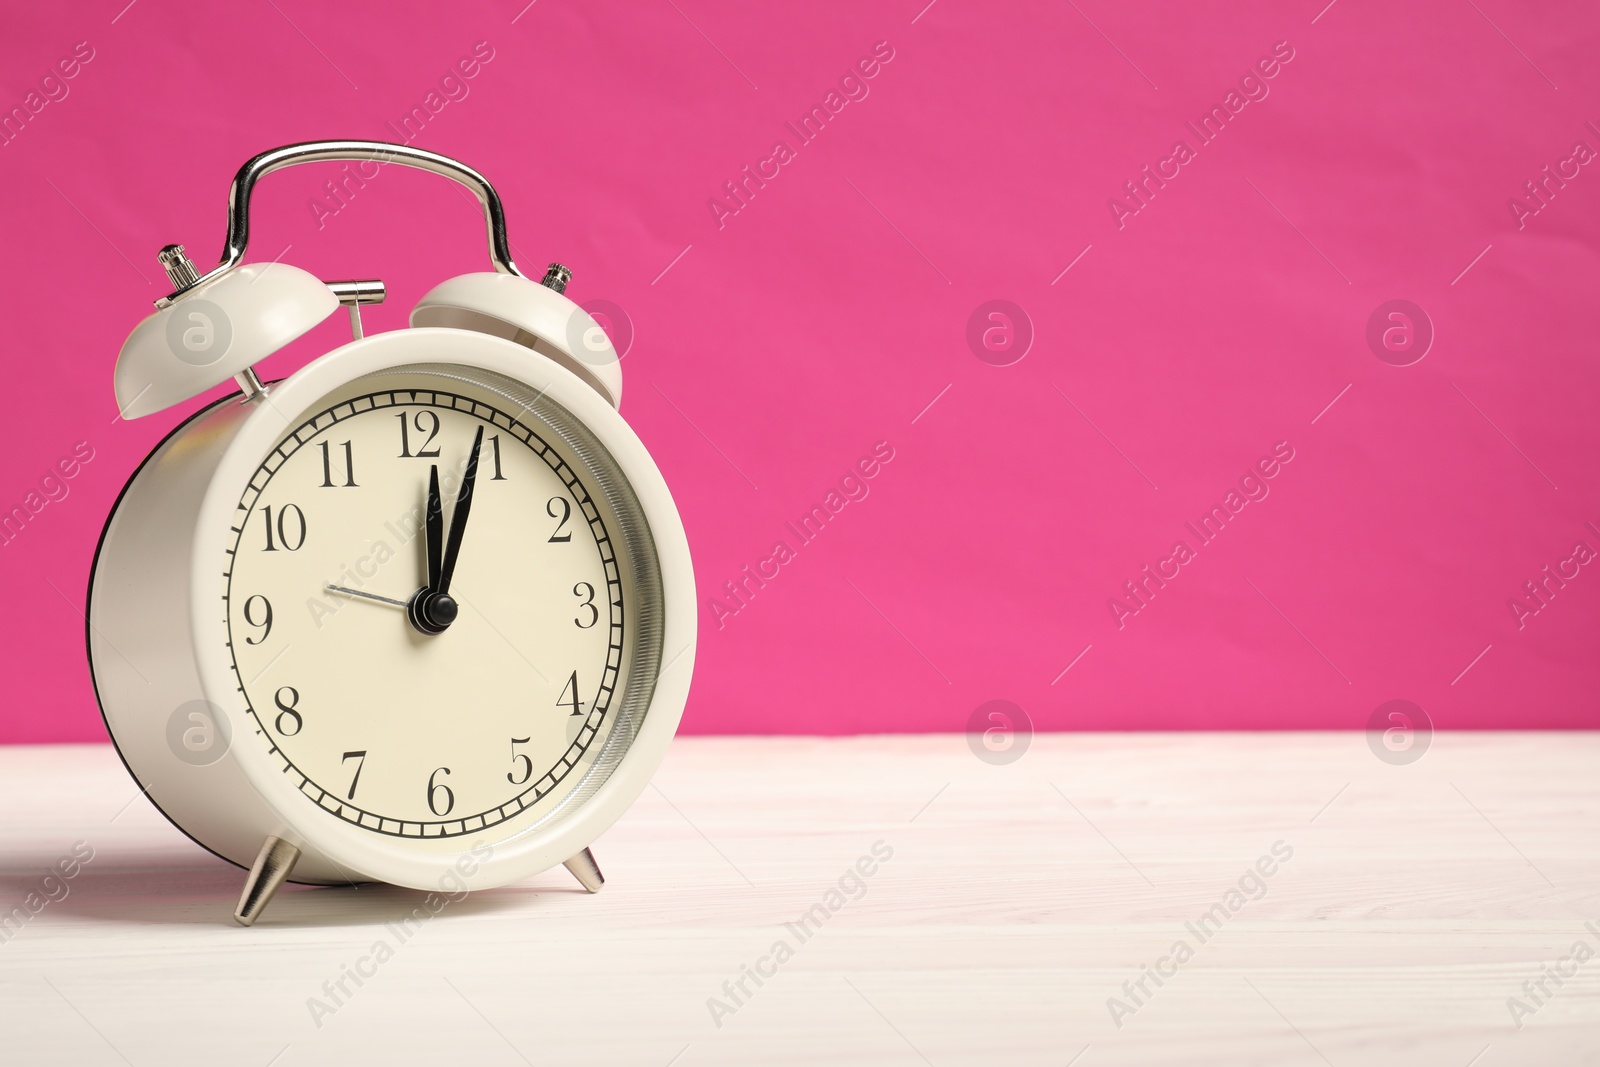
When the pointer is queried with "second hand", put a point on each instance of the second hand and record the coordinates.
(365, 596)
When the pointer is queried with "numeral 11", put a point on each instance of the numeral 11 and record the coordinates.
(327, 466)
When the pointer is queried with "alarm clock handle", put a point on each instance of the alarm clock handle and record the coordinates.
(353, 151)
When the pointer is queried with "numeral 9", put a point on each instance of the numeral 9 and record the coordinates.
(266, 621)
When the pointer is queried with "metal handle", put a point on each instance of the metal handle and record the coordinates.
(379, 151)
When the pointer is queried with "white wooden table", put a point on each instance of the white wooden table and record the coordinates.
(1018, 899)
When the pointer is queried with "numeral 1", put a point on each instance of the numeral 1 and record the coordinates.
(498, 477)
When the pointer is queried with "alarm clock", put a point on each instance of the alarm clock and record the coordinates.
(419, 613)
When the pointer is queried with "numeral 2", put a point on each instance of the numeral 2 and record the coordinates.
(560, 509)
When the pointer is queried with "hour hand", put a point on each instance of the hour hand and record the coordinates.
(429, 611)
(434, 529)
(432, 609)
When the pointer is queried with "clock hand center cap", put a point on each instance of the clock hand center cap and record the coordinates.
(430, 612)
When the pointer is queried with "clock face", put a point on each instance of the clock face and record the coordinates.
(410, 719)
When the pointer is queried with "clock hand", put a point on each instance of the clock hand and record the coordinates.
(431, 609)
(458, 517)
(434, 529)
(365, 596)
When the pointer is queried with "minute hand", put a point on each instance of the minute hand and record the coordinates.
(458, 516)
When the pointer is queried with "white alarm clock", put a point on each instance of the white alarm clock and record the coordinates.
(420, 613)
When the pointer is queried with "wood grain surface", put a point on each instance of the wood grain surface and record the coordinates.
(1016, 903)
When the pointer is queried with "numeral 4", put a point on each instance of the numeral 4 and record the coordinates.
(569, 695)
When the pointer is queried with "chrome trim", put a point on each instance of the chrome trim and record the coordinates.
(270, 871)
(584, 868)
(325, 151)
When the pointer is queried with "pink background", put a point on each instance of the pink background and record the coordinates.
(826, 314)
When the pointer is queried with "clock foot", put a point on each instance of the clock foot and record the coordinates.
(270, 871)
(586, 871)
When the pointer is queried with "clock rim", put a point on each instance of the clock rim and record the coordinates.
(89, 615)
(399, 860)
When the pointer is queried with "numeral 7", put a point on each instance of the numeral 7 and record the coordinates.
(361, 761)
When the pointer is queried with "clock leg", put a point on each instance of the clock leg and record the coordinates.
(271, 869)
(586, 871)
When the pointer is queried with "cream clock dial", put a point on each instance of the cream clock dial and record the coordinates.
(381, 718)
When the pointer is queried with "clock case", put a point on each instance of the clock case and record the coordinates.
(153, 631)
